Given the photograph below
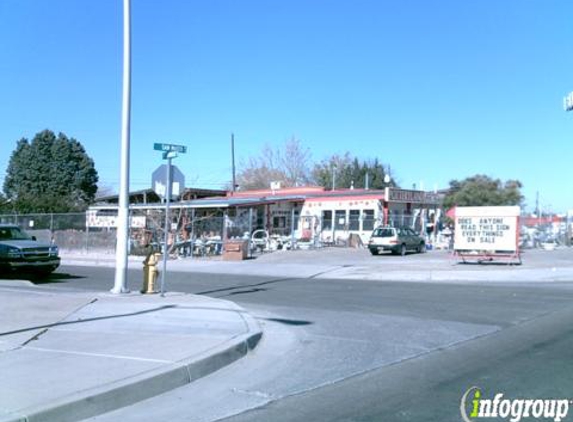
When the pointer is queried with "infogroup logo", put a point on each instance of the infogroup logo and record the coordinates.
(474, 406)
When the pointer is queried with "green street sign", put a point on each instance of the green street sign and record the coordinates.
(170, 148)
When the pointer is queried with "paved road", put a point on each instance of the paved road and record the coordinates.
(351, 350)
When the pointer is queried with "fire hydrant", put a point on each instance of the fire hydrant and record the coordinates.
(150, 273)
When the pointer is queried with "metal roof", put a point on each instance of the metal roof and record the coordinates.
(222, 202)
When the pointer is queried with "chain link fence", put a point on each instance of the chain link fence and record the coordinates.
(545, 232)
(196, 233)
(70, 232)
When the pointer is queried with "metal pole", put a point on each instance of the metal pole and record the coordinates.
(193, 234)
(87, 235)
(167, 224)
(233, 160)
(250, 231)
(120, 285)
(224, 233)
(292, 230)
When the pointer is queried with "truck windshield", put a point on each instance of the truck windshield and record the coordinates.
(13, 233)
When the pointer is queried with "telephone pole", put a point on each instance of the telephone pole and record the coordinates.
(234, 188)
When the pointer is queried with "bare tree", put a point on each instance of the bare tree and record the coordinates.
(288, 164)
(295, 163)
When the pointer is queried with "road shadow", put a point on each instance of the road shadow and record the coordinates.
(293, 322)
(38, 278)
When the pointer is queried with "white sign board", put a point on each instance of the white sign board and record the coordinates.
(486, 228)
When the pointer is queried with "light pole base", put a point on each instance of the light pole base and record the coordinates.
(120, 291)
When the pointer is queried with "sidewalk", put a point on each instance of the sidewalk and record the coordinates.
(68, 356)
(358, 264)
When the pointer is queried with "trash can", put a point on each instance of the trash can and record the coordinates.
(235, 250)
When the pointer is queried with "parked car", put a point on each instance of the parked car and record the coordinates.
(398, 240)
(19, 251)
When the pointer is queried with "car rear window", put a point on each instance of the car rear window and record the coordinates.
(384, 233)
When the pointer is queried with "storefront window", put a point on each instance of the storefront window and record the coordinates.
(327, 220)
(279, 222)
(368, 220)
(354, 220)
(340, 219)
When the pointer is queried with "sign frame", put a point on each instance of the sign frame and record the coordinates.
(487, 233)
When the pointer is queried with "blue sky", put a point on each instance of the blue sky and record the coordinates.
(439, 90)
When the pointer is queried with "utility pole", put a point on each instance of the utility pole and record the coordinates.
(333, 177)
(120, 283)
(233, 162)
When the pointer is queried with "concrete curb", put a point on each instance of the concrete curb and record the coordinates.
(125, 392)
(16, 283)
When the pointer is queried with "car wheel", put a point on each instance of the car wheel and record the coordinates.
(374, 251)
(403, 250)
(422, 248)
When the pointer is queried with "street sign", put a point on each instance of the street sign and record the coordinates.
(174, 183)
(159, 184)
(170, 148)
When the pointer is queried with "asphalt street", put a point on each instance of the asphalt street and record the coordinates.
(350, 350)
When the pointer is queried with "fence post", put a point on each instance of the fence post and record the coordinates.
(87, 233)
(250, 231)
(224, 235)
(292, 229)
(193, 234)
(333, 227)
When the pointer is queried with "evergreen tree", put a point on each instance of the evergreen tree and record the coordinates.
(350, 172)
(50, 174)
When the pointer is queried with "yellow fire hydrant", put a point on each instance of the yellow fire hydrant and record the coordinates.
(150, 273)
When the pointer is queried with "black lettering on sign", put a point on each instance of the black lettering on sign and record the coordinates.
(487, 240)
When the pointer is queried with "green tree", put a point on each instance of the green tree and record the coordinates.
(349, 171)
(4, 204)
(481, 190)
(50, 174)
